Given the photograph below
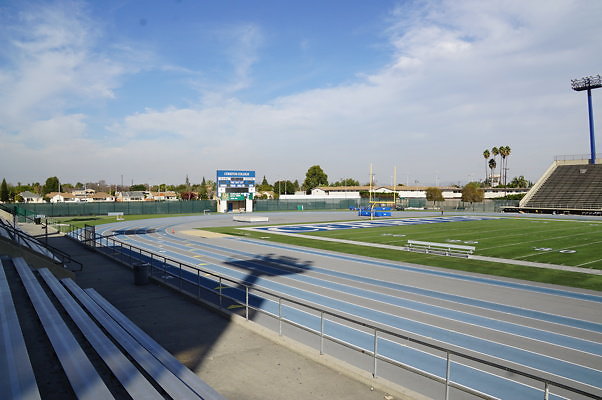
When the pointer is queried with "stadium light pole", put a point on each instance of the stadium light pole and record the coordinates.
(588, 83)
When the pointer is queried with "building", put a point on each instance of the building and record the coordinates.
(59, 197)
(407, 192)
(130, 196)
(164, 196)
(235, 190)
(29, 197)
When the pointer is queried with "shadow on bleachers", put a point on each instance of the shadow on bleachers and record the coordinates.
(101, 353)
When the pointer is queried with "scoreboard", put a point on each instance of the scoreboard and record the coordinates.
(235, 184)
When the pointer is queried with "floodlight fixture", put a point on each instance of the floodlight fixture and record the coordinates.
(588, 83)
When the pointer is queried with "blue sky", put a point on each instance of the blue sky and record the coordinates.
(157, 90)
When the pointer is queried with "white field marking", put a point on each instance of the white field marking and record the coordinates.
(399, 344)
(589, 262)
(472, 349)
(520, 234)
(558, 250)
(530, 233)
(454, 302)
(319, 286)
(535, 241)
(438, 327)
(360, 259)
(553, 220)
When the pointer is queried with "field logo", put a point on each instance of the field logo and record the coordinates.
(564, 251)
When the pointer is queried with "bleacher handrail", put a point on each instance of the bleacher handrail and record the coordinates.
(576, 157)
(378, 330)
(20, 237)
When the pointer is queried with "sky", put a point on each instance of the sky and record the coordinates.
(150, 91)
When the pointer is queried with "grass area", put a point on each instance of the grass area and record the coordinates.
(561, 242)
(80, 222)
(551, 276)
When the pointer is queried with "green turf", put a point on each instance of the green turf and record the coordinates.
(432, 231)
(511, 238)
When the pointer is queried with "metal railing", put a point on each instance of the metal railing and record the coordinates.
(577, 157)
(57, 256)
(190, 280)
(566, 206)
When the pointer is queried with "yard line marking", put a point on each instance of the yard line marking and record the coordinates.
(538, 240)
(562, 248)
(589, 262)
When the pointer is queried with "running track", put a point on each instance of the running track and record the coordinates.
(554, 332)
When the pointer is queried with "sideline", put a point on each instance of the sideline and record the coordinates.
(471, 257)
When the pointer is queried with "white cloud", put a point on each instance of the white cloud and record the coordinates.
(462, 76)
(52, 60)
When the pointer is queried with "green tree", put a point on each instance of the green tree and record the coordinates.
(486, 155)
(505, 153)
(472, 193)
(520, 182)
(3, 191)
(51, 185)
(492, 165)
(434, 194)
(203, 193)
(264, 186)
(346, 182)
(315, 177)
(138, 188)
(494, 152)
(284, 187)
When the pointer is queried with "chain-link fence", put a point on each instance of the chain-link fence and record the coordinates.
(403, 203)
(103, 208)
(308, 204)
(201, 206)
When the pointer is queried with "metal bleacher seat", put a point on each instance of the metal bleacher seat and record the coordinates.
(571, 186)
(18, 380)
(132, 380)
(83, 377)
(142, 367)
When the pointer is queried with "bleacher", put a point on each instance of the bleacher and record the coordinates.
(568, 188)
(101, 353)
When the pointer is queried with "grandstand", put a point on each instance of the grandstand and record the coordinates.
(568, 186)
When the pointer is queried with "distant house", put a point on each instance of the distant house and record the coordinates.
(29, 197)
(58, 197)
(164, 196)
(83, 194)
(131, 196)
(100, 196)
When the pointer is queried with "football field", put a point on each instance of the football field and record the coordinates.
(561, 242)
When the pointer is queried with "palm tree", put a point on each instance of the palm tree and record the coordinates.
(502, 150)
(492, 165)
(507, 150)
(494, 152)
(486, 155)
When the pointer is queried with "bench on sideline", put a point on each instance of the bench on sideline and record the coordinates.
(144, 369)
(447, 249)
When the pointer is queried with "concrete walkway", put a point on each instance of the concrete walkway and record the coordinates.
(239, 359)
